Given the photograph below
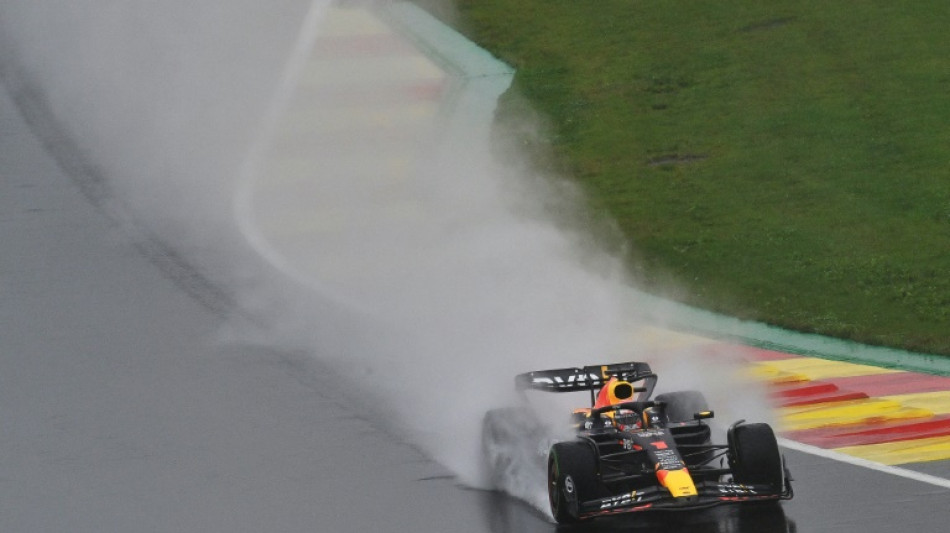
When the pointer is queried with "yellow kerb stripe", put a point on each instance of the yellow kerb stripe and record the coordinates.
(816, 369)
(854, 412)
(901, 452)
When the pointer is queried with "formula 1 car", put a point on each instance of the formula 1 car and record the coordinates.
(631, 453)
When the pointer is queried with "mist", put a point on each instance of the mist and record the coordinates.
(355, 212)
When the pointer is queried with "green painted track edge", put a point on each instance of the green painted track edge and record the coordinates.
(690, 319)
(443, 44)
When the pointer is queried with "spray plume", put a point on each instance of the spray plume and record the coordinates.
(319, 184)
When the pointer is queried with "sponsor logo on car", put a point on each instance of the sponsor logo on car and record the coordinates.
(558, 380)
(621, 500)
(736, 490)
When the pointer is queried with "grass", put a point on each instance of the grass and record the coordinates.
(788, 163)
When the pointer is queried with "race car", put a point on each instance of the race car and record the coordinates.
(629, 452)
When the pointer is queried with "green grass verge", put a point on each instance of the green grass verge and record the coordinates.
(787, 163)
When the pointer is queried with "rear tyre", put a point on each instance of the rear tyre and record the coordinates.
(754, 456)
(682, 405)
(572, 479)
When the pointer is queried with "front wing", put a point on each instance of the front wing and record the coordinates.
(659, 499)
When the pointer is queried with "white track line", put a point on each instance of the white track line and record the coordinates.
(857, 461)
(243, 201)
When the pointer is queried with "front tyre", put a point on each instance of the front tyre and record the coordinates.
(572, 479)
(754, 456)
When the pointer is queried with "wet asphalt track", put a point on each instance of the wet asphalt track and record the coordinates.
(122, 410)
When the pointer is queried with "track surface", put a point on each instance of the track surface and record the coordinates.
(123, 410)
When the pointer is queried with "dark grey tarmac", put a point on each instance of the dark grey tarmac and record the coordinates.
(122, 409)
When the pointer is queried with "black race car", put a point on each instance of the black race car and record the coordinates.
(630, 452)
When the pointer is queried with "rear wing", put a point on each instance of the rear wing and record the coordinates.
(586, 378)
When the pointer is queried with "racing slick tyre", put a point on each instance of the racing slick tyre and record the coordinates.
(754, 456)
(682, 405)
(572, 479)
